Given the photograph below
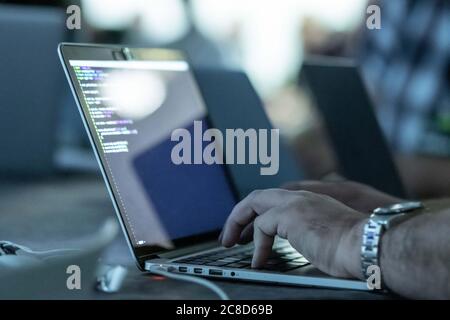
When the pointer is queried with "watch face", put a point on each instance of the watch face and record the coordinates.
(399, 208)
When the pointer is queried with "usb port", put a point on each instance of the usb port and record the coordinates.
(182, 269)
(215, 272)
(198, 270)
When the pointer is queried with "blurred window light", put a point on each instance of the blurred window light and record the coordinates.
(265, 35)
(268, 33)
(135, 94)
(110, 14)
(271, 46)
(163, 21)
(160, 21)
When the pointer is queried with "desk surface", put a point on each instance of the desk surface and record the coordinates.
(58, 212)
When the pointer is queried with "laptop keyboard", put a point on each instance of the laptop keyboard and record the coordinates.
(283, 258)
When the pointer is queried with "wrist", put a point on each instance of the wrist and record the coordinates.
(350, 249)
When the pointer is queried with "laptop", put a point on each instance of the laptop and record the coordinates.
(347, 111)
(131, 101)
(31, 87)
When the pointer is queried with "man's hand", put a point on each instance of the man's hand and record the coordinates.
(327, 232)
(356, 195)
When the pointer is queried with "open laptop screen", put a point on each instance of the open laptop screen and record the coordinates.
(132, 108)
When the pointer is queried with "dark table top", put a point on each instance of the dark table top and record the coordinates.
(58, 212)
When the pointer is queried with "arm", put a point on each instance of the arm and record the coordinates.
(415, 255)
(425, 177)
(356, 195)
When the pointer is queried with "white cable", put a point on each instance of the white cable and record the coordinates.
(43, 254)
(183, 277)
(161, 271)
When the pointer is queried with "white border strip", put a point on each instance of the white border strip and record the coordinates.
(177, 65)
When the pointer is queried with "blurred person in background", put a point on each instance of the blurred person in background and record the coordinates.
(406, 65)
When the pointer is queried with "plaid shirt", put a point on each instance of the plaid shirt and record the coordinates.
(406, 65)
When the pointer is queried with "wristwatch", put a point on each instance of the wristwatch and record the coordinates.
(380, 220)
